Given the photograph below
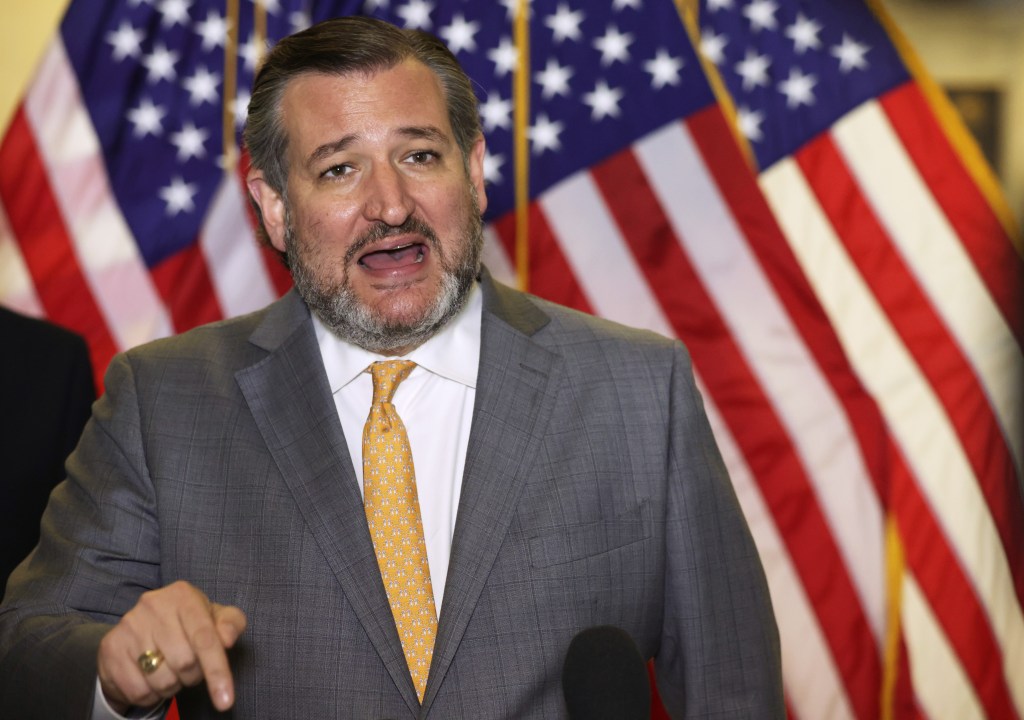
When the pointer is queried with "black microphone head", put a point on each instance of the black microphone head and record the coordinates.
(605, 677)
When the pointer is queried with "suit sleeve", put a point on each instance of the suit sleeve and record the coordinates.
(719, 655)
(98, 551)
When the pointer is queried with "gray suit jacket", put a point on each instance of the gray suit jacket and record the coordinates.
(593, 494)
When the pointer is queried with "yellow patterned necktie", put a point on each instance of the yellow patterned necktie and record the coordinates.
(396, 527)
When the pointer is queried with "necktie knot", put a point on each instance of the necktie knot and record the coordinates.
(387, 376)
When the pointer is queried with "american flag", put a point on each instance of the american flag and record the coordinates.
(918, 275)
(793, 202)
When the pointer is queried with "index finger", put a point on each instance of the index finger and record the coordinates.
(198, 624)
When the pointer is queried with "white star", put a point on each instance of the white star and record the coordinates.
(614, 46)
(504, 57)
(202, 87)
(240, 107)
(174, 12)
(798, 88)
(126, 41)
(300, 20)
(160, 64)
(147, 119)
(459, 35)
(603, 101)
(851, 54)
(544, 134)
(713, 46)
(716, 5)
(178, 196)
(492, 168)
(664, 69)
(496, 112)
(804, 34)
(373, 5)
(251, 52)
(761, 14)
(272, 6)
(750, 123)
(416, 14)
(623, 4)
(754, 70)
(554, 79)
(213, 30)
(565, 23)
(189, 141)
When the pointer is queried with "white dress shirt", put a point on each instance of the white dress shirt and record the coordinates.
(436, 405)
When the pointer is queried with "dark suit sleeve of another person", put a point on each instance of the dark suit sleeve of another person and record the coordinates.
(88, 569)
(46, 390)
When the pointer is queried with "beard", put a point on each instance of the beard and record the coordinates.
(338, 308)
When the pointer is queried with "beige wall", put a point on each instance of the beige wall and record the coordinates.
(26, 26)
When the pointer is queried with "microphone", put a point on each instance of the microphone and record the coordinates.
(605, 677)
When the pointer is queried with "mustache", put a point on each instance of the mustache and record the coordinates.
(381, 230)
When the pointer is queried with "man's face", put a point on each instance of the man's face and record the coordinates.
(380, 222)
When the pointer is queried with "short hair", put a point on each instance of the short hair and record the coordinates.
(340, 46)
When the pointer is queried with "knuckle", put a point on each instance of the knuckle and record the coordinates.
(183, 664)
(191, 675)
(149, 597)
(204, 639)
(140, 694)
(182, 587)
(166, 685)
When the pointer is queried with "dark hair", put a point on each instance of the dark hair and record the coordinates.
(338, 47)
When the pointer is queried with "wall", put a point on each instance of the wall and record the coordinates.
(25, 29)
(977, 43)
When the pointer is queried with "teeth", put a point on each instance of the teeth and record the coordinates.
(419, 256)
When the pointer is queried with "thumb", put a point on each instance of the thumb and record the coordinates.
(230, 622)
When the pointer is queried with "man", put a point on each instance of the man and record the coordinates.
(213, 542)
(46, 390)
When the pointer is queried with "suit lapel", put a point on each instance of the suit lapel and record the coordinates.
(290, 399)
(514, 398)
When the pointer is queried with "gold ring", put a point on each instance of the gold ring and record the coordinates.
(150, 660)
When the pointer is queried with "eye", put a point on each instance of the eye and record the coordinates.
(336, 171)
(422, 157)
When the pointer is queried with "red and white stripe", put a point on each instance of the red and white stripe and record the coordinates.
(66, 251)
(928, 339)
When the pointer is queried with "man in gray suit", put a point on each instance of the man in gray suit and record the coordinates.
(211, 540)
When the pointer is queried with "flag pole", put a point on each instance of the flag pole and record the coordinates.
(230, 152)
(521, 97)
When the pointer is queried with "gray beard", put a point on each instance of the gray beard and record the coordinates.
(343, 314)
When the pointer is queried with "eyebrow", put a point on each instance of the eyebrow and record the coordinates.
(416, 132)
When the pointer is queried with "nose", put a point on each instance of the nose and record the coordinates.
(387, 197)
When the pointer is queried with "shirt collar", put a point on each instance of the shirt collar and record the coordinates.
(453, 353)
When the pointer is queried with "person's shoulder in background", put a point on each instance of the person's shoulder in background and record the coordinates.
(46, 392)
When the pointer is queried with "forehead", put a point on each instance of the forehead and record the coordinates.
(317, 107)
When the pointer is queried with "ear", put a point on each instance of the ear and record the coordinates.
(271, 206)
(476, 171)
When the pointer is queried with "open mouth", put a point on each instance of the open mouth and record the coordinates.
(412, 253)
